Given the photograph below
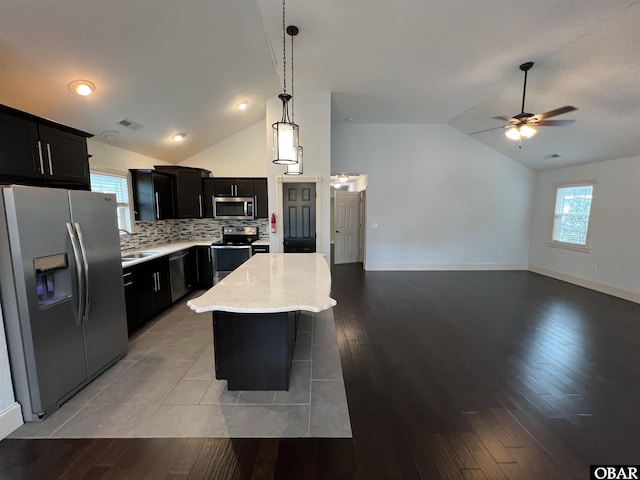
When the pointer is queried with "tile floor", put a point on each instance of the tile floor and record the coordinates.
(165, 387)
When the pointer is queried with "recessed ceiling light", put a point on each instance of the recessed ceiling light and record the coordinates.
(110, 134)
(242, 105)
(178, 137)
(82, 87)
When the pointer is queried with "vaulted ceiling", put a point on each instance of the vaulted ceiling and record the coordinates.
(182, 66)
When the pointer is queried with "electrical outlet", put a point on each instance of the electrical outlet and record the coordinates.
(594, 267)
(499, 253)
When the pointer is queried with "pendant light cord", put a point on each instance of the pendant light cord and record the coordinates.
(293, 98)
(284, 49)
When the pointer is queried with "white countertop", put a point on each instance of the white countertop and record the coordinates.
(164, 249)
(271, 283)
(261, 242)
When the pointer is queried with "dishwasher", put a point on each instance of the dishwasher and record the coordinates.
(177, 268)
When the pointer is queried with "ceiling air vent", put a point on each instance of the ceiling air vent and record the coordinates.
(130, 124)
(552, 155)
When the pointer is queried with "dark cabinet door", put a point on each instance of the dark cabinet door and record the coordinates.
(152, 195)
(163, 191)
(204, 267)
(224, 187)
(208, 192)
(18, 147)
(144, 289)
(245, 187)
(130, 299)
(189, 191)
(66, 159)
(262, 198)
(162, 297)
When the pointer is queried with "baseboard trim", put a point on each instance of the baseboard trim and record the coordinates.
(10, 419)
(439, 267)
(586, 283)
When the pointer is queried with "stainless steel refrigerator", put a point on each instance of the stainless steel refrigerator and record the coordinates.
(61, 290)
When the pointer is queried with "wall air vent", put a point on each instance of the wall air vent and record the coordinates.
(130, 124)
(552, 155)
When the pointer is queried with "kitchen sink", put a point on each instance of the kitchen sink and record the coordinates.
(135, 256)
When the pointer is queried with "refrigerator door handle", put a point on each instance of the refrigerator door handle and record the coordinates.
(85, 262)
(79, 274)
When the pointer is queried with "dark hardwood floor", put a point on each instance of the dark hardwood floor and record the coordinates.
(449, 375)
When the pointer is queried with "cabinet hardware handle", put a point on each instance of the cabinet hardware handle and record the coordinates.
(40, 155)
(155, 282)
(50, 163)
(157, 206)
(126, 274)
(200, 204)
(128, 283)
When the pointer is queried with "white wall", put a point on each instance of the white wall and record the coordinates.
(116, 158)
(436, 199)
(613, 263)
(241, 155)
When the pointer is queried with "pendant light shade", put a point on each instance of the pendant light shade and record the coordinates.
(285, 136)
(295, 168)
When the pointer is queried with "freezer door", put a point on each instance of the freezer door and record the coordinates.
(105, 324)
(52, 347)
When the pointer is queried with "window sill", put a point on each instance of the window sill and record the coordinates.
(569, 246)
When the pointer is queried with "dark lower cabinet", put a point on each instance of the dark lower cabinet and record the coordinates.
(204, 267)
(150, 288)
(254, 351)
(130, 299)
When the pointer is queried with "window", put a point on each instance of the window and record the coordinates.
(571, 218)
(118, 184)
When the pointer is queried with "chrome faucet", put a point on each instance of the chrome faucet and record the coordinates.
(125, 231)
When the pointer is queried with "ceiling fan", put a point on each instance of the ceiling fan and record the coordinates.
(523, 124)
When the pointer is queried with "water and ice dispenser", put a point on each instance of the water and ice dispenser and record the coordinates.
(53, 279)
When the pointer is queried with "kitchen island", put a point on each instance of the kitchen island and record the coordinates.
(255, 313)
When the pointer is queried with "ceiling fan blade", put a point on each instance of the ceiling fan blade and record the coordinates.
(554, 123)
(553, 113)
(487, 130)
(505, 119)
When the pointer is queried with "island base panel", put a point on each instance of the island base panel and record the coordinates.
(254, 351)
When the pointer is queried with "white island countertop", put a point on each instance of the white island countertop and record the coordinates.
(271, 283)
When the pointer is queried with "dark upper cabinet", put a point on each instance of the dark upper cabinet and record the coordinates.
(152, 195)
(262, 197)
(66, 159)
(18, 147)
(236, 187)
(35, 151)
(189, 202)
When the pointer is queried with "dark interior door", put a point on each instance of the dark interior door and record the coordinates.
(299, 211)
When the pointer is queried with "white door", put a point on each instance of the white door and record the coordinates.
(346, 224)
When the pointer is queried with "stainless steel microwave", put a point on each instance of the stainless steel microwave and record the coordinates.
(234, 208)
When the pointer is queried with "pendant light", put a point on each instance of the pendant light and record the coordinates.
(294, 168)
(285, 132)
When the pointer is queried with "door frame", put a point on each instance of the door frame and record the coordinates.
(277, 238)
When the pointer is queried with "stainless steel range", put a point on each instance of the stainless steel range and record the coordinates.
(233, 250)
